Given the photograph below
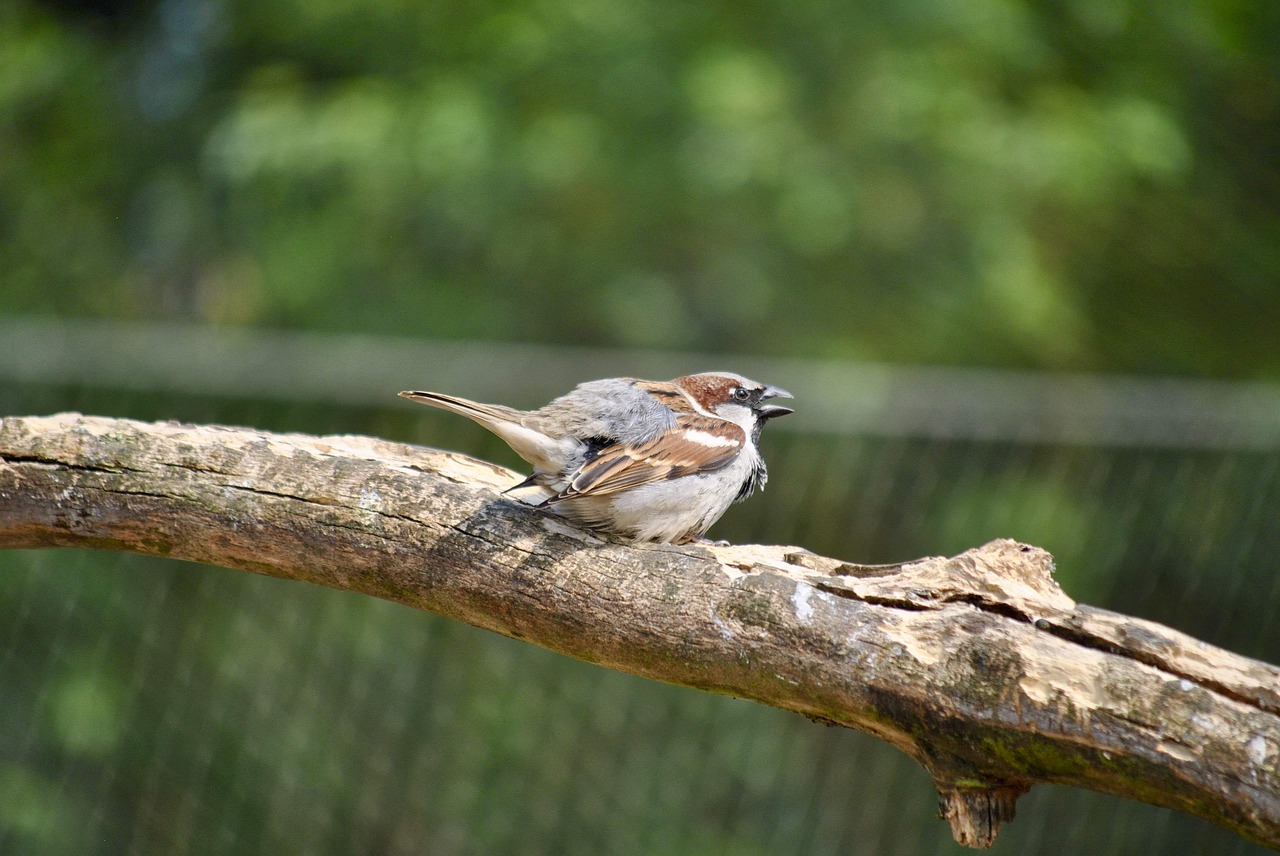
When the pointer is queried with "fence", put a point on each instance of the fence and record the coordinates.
(156, 707)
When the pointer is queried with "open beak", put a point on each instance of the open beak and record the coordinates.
(769, 411)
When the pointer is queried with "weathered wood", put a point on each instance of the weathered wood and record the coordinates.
(977, 666)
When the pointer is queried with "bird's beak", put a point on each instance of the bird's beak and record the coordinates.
(770, 411)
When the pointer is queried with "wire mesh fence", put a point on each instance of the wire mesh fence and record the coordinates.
(151, 706)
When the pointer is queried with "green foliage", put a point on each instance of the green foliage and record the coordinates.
(1081, 184)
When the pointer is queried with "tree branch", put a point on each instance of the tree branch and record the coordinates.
(978, 666)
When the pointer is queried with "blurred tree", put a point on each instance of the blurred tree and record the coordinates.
(1064, 184)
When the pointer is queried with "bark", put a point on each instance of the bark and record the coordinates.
(977, 666)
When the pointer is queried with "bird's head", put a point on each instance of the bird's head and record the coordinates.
(733, 397)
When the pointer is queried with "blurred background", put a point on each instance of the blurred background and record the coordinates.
(1019, 261)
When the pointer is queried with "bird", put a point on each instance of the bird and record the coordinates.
(643, 461)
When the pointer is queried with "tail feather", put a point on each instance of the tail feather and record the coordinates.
(485, 414)
(547, 454)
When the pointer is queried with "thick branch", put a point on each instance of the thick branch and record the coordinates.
(977, 666)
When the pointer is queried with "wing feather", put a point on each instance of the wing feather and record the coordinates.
(696, 444)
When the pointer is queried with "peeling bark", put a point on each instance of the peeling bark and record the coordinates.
(977, 666)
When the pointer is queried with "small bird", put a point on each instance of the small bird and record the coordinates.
(643, 460)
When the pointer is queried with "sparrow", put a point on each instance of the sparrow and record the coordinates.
(642, 460)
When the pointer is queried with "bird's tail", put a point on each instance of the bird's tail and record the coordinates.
(547, 454)
(488, 415)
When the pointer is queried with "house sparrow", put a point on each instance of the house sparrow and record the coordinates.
(645, 460)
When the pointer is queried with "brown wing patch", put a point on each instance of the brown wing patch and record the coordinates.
(697, 444)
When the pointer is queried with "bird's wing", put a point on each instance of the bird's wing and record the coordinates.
(696, 444)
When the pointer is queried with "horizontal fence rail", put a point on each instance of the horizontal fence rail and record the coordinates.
(834, 397)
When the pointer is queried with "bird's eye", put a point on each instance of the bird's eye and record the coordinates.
(740, 394)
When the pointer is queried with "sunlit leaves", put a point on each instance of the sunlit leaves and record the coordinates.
(923, 182)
